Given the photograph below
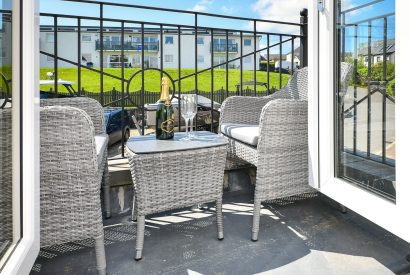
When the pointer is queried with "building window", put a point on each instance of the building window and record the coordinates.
(200, 59)
(219, 60)
(86, 38)
(169, 58)
(247, 42)
(200, 40)
(247, 59)
(378, 59)
(169, 40)
(50, 38)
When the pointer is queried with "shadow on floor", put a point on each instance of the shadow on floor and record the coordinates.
(302, 235)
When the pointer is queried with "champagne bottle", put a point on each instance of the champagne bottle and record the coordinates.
(165, 113)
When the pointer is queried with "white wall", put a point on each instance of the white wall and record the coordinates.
(67, 48)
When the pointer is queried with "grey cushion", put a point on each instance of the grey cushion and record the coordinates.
(246, 133)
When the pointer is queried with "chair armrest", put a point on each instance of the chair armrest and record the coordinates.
(283, 126)
(242, 109)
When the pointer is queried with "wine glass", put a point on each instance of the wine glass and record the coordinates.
(192, 110)
(185, 114)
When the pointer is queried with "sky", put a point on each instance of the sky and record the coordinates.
(280, 10)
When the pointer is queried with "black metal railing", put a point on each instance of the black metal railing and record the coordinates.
(370, 61)
(128, 96)
(218, 48)
(128, 46)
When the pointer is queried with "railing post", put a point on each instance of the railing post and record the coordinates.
(304, 38)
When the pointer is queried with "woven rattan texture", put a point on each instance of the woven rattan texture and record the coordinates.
(172, 180)
(69, 177)
(95, 111)
(5, 176)
(281, 156)
(92, 107)
(179, 179)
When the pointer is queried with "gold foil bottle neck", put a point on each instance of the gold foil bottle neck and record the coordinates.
(165, 89)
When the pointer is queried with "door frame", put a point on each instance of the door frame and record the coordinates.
(26, 131)
(393, 216)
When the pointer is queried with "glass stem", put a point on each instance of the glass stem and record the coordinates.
(186, 127)
(190, 130)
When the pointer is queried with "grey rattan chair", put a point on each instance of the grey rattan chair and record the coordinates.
(70, 182)
(94, 109)
(6, 227)
(271, 133)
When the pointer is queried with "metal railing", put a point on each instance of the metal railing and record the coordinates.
(365, 54)
(282, 39)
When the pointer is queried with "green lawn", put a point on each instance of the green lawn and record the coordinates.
(90, 81)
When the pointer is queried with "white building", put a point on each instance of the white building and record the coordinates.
(90, 48)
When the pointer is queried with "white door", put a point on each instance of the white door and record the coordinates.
(19, 140)
(359, 102)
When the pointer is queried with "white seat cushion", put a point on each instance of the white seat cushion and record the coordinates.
(245, 133)
(101, 142)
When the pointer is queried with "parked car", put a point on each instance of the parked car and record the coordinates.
(204, 114)
(113, 124)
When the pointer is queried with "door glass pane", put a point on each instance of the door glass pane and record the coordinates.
(365, 94)
(6, 226)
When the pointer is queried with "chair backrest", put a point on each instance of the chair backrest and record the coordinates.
(6, 228)
(346, 71)
(69, 182)
(91, 106)
(297, 86)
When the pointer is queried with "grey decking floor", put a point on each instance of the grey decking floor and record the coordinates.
(306, 236)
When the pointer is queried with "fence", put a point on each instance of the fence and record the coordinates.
(113, 97)
(364, 53)
(244, 54)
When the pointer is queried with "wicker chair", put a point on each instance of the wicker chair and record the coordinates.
(271, 133)
(70, 182)
(94, 109)
(6, 228)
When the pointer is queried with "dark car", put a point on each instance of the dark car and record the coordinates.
(113, 124)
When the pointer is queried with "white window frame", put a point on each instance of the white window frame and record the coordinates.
(200, 40)
(86, 40)
(24, 253)
(389, 215)
(168, 58)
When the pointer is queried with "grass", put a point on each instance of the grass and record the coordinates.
(90, 80)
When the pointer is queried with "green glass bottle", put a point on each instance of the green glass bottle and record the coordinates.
(165, 113)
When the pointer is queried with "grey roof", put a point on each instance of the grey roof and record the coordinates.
(377, 47)
(275, 56)
(296, 52)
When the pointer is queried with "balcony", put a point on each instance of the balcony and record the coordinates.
(294, 237)
(128, 46)
(222, 48)
(300, 230)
